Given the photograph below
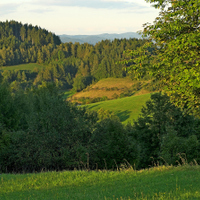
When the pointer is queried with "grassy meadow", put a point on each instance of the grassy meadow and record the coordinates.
(164, 182)
(109, 87)
(114, 82)
(127, 109)
(29, 67)
(68, 93)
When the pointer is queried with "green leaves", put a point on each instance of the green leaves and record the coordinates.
(160, 129)
(175, 58)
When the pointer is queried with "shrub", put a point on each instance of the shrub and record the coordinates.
(115, 96)
(110, 144)
(81, 82)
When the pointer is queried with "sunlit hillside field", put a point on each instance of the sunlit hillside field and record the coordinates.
(114, 82)
(29, 66)
(127, 109)
(110, 87)
(155, 183)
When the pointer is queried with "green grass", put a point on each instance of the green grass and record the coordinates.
(155, 183)
(114, 82)
(68, 93)
(127, 109)
(110, 87)
(29, 66)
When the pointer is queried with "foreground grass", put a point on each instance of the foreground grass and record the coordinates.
(155, 183)
(127, 109)
(29, 66)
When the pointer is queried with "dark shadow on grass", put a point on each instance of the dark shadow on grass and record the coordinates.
(123, 115)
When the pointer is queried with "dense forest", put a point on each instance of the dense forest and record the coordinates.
(69, 65)
(21, 43)
(41, 131)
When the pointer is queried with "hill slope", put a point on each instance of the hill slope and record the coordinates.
(124, 96)
(113, 88)
(127, 109)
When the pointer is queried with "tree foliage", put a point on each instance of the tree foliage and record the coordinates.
(41, 131)
(160, 129)
(65, 63)
(172, 53)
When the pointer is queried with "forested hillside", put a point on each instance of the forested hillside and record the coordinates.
(68, 65)
(21, 43)
(39, 130)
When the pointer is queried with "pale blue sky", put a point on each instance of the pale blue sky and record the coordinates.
(74, 17)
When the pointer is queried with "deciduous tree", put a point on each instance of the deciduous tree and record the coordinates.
(172, 54)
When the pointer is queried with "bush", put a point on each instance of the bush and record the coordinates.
(115, 96)
(174, 146)
(110, 145)
(81, 82)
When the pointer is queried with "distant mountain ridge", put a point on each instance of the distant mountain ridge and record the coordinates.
(93, 39)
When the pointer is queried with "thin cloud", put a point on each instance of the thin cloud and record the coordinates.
(8, 8)
(96, 4)
(40, 11)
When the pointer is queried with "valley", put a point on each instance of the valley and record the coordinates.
(116, 118)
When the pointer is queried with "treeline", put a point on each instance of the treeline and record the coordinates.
(22, 43)
(40, 131)
(72, 65)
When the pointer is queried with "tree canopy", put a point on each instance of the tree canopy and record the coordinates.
(172, 54)
(68, 65)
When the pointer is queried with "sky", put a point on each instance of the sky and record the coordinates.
(80, 17)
